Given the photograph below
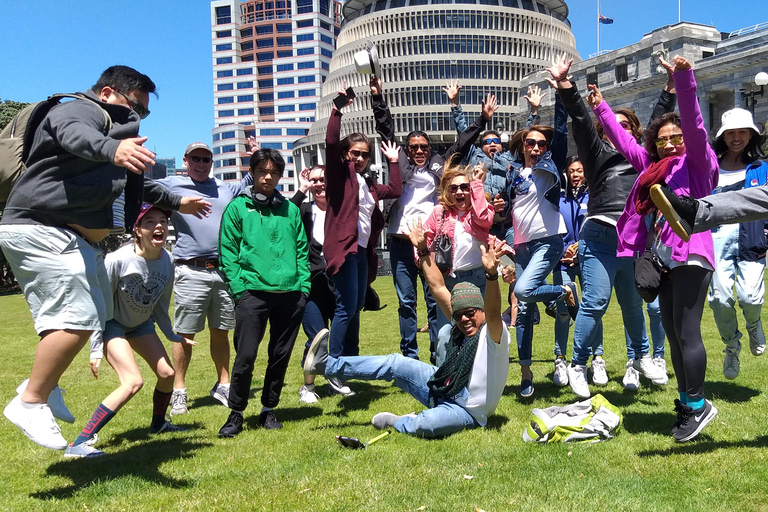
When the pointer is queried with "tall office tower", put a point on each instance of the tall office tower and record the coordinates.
(270, 59)
(169, 163)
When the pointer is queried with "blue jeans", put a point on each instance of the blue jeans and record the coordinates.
(476, 276)
(603, 271)
(655, 328)
(319, 310)
(351, 282)
(411, 376)
(404, 272)
(563, 319)
(533, 263)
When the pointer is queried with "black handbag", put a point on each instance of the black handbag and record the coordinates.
(648, 271)
(442, 247)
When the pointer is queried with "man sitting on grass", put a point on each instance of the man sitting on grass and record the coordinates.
(465, 390)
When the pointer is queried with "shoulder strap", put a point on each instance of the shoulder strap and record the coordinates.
(80, 96)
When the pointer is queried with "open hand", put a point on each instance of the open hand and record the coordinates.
(560, 67)
(132, 155)
(489, 106)
(452, 89)
(534, 98)
(196, 206)
(416, 234)
(391, 150)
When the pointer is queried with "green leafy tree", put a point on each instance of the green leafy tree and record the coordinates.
(8, 109)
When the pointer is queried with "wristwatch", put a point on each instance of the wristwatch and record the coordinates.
(491, 277)
(421, 253)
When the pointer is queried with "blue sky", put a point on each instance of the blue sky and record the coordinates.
(62, 46)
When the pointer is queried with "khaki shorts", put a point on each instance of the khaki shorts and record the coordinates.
(201, 293)
(62, 276)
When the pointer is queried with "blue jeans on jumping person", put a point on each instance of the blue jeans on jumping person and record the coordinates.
(351, 282)
(534, 261)
(658, 337)
(563, 319)
(603, 271)
(410, 375)
(404, 274)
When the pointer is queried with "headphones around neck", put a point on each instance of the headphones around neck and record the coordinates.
(273, 201)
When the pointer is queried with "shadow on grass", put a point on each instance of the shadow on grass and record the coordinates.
(141, 460)
(283, 414)
(705, 444)
(730, 392)
(648, 422)
(364, 395)
(496, 421)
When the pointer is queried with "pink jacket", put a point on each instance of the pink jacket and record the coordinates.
(694, 174)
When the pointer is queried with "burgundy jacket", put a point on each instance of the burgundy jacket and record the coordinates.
(343, 204)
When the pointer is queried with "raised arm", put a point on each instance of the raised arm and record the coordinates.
(482, 212)
(560, 137)
(394, 187)
(490, 258)
(452, 89)
(668, 97)
(385, 127)
(624, 143)
(534, 99)
(467, 138)
(431, 273)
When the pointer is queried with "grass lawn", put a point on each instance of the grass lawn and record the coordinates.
(302, 468)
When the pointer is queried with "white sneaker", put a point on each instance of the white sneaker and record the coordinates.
(81, 451)
(631, 378)
(179, 402)
(650, 371)
(599, 375)
(757, 338)
(37, 423)
(577, 378)
(731, 364)
(662, 364)
(560, 376)
(339, 387)
(219, 392)
(55, 402)
(307, 395)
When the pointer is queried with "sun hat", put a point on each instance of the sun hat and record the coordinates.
(735, 119)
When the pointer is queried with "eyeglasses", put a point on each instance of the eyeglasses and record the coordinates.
(675, 140)
(494, 140)
(357, 154)
(469, 313)
(533, 142)
(135, 105)
(625, 125)
(198, 159)
(455, 188)
(415, 147)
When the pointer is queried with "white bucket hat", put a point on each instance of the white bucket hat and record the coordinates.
(367, 61)
(735, 119)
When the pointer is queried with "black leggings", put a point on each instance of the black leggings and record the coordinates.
(681, 300)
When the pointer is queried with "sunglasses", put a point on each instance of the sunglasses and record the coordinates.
(469, 313)
(625, 125)
(675, 140)
(455, 188)
(533, 142)
(492, 141)
(198, 159)
(357, 154)
(415, 147)
(135, 105)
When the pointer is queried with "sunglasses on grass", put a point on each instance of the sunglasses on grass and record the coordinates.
(533, 142)
(675, 140)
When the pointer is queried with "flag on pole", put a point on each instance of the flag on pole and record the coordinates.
(604, 20)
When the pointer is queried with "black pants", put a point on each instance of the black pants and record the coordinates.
(681, 300)
(252, 311)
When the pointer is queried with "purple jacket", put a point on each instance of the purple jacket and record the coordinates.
(694, 174)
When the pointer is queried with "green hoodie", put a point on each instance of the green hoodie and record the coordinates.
(263, 248)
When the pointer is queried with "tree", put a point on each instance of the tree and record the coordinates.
(8, 109)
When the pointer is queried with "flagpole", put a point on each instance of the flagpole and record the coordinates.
(598, 26)
(678, 11)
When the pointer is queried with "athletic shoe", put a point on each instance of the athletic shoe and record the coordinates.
(731, 365)
(233, 426)
(551, 309)
(317, 355)
(166, 427)
(179, 402)
(678, 416)
(55, 402)
(631, 378)
(680, 212)
(339, 387)
(37, 423)
(81, 451)
(756, 340)
(220, 392)
(267, 420)
(577, 378)
(526, 387)
(308, 396)
(661, 363)
(599, 375)
(560, 376)
(388, 419)
(649, 370)
(693, 421)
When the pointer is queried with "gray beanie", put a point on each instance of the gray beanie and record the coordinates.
(466, 295)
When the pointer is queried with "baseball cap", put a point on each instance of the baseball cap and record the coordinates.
(145, 208)
(197, 145)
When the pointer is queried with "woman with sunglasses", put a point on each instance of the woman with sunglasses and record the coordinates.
(675, 154)
(353, 222)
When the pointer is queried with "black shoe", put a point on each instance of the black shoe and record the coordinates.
(573, 310)
(693, 421)
(680, 211)
(678, 416)
(551, 309)
(317, 355)
(233, 426)
(267, 420)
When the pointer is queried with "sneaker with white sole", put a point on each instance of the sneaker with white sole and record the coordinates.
(599, 375)
(577, 379)
(220, 392)
(55, 402)
(339, 387)
(692, 421)
(37, 423)
(317, 355)
(731, 365)
(631, 380)
(756, 338)
(179, 402)
(167, 427)
(661, 363)
(387, 419)
(307, 395)
(649, 370)
(81, 451)
(560, 375)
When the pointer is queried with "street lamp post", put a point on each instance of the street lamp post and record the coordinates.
(761, 80)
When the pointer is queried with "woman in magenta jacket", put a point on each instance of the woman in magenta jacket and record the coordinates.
(677, 155)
